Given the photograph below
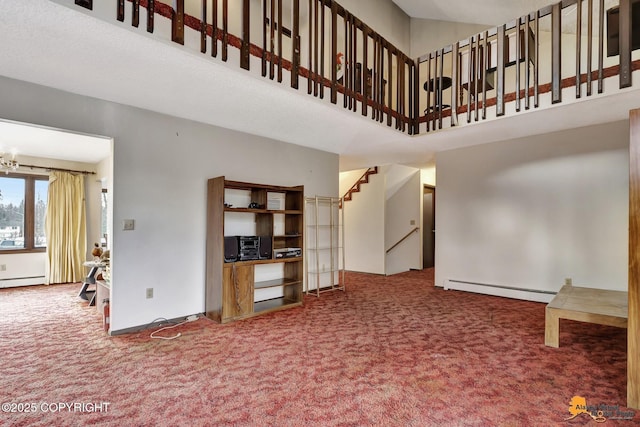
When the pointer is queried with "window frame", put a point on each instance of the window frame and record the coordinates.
(29, 213)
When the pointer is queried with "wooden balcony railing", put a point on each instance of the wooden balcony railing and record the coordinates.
(339, 55)
(508, 63)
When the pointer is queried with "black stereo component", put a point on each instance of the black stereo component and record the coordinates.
(288, 253)
(265, 247)
(230, 248)
(249, 248)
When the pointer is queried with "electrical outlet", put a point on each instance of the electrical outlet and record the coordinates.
(149, 293)
(3, 267)
(412, 222)
(568, 281)
(128, 224)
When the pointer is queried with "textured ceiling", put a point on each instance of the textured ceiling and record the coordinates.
(64, 48)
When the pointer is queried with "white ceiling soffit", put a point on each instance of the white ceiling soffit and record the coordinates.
(487, 12)
(38, 141)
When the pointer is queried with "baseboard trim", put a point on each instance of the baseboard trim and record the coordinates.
(152, 325)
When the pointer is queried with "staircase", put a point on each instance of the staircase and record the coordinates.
(355, 188)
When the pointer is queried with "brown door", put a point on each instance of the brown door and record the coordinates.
(428, 227)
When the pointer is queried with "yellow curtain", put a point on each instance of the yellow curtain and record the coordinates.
(65, 227)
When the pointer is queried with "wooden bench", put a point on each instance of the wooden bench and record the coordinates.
(601, 306)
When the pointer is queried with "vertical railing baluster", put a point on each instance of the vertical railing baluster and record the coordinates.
(403, 104)
(400, 97)
(556, 53)
(279, 23)
(177, 22)
(272, 40)
(310, 45)
(430, 84)
(476, 77)
(601, 47)
(214, 29)
(120, 11)
(377, 78)
(416, 97)
(246, 40)
(374, 79)
(381, 78)
(203, 26)
(315, 47)
(322, 52)
(625, 43)
(518, 63)
(440, 73)
(347, 65)
(353, 39)
(354, 48)
(485, 56)
(151, 11)
(398, 93)
(265, 37)
(334, 52)
(578, 48)
(135, 13)
(455, 82)
(536, 60)
(500, 83)
(225, 29)
(295, 46)
(469, 78)
(353, 61)
(589, 47)
(365, 70)
(389, 85)
(527, 68)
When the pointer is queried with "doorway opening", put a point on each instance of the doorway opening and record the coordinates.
(428, 226)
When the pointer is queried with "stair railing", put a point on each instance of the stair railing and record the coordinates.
(403, 239)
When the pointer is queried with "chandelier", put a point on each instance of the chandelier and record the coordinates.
(8, 165)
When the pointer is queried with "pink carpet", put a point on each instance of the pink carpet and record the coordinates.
(391, 351)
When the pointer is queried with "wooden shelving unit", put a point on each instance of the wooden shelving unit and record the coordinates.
(235, 290)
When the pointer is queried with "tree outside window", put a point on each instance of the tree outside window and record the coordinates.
(23, 203)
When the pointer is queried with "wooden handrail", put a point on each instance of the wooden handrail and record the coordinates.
(403, 239)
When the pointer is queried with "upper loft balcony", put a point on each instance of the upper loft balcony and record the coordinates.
(324, 78)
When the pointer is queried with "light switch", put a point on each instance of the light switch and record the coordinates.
(128, 224)
(412, 222)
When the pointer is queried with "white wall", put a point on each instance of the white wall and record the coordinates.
(428, 175)
(364, 225)
(30, 268)
(428, 35)
(403, 202)
(530, 212)
(385, 17)
(160, 168)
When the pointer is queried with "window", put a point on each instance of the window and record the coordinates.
(23, 204)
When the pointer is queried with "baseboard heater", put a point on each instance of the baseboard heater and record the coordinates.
(13, 282)
(500, 291)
